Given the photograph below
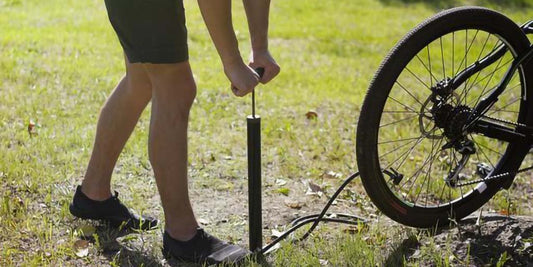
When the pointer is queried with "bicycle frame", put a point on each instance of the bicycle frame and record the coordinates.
(476, 123)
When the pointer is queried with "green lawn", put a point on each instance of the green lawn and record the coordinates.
(60, 59)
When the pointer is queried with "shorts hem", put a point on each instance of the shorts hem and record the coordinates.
(158, 56)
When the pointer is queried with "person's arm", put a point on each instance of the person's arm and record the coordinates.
(257, 13)
(217, 17)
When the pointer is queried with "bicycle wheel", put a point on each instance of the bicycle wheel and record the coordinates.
(417, 164)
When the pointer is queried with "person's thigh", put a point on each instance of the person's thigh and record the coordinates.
(150, 31)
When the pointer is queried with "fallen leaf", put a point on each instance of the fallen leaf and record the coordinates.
(203, 221)
(311, 115)
(294, 205)
(280, 182)
(275, 233)
(32, 128)
(504, 212)
(81, 248)
(314, 189)
(332, 175)
(284, 191)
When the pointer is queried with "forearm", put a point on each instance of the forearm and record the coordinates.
(217, 17)
(257, 12)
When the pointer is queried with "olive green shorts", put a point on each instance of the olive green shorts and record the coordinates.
(150, 31)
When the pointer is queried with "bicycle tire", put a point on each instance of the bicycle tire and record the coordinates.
(380, 189)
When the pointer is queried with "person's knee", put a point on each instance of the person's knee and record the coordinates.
(175, 102)
(173, 88)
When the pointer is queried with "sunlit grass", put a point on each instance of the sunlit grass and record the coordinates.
(60, 59)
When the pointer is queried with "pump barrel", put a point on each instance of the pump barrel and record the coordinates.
(254, 183)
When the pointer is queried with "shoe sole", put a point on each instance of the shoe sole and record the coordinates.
(80, 214)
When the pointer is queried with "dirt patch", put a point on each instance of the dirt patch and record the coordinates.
(493, 239)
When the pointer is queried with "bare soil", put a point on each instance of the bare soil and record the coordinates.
(483, 242)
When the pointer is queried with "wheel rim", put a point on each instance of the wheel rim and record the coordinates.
(412, 132)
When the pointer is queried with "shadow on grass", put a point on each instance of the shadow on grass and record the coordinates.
(453, 3)
(122, 248)
(402, 252)
(109, 240)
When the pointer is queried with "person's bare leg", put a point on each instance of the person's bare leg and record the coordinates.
(173, 93)
(117, 120)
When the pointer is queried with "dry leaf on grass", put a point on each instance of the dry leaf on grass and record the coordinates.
(203, 221)
(311, 115)
(275, 233)
(314, 189)
(32, 128)
(280, 182)
(81, 248)
(294, 205)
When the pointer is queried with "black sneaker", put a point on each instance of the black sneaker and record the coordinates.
(110, 211)
(203, 248)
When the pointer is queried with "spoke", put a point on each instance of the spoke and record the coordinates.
(479, 72)
(405, 158)
(398, 121)
(399, 111)
(399, 140)
(405, 154)
(402, 104)
(398, 148)
(507, 111)
(431, 76)
(453, 53)
(507, 90)
(467, 49)
(416, 174)
(416, 77)
(444, 185)
(483, 153)
(409, 93)
(442, 58)
(429, 64)
(490, 74)
(486, 147)
(503, 110)
(429, 160)
(487, 84)
(427, 174)
(456, 163)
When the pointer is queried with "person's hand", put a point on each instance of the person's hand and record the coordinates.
(263, 59)
(243, 78)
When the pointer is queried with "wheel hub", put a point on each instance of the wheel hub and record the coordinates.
(456, 120)
(451, 119)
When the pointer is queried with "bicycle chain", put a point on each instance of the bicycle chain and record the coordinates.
(501, 175)
(505, 121)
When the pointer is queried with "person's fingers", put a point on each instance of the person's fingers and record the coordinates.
(242, 90)
(270, 72)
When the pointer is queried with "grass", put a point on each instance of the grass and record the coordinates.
(60, 59)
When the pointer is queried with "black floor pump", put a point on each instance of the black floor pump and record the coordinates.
(254, 193)
(253, 123)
